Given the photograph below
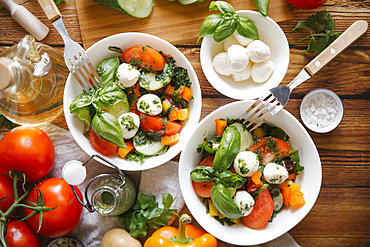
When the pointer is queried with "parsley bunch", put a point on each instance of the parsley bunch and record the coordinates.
(323, 26)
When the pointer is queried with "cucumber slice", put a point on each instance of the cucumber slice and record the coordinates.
(185, 2)
(155, 81)
(246, 137)
(137, 8)
(278, 202)
(146, 146)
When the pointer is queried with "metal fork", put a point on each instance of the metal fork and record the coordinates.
(272, 101)
(74, 55)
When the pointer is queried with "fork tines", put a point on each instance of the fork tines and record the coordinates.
(265, 107)
(84, 72)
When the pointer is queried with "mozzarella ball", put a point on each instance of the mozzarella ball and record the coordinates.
(246, 163)
(243, 75)
(149, 104)
(237, 58)
(130, 123)
(244, 201)
(127, 75)
(220, 64)
(260, 72)
(258, 51)
(241, 39)
(229, 41)
(275, 174)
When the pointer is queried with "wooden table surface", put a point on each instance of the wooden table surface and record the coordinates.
(341, 215)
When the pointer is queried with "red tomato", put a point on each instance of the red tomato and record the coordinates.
(307, 4)
(282, 149)
(203, 189)
(144, 56)
(65, 217)
(6, 189)
(252, 187)
(29, 150)
(20, 234)
(262, 211)
(155, 123)
(101, 146)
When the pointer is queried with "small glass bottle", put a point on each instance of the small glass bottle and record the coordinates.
(111, 195)
(32, 82)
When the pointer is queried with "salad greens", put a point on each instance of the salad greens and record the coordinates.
(146, 214)
(323, 25)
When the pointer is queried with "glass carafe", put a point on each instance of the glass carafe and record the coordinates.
(32, 82)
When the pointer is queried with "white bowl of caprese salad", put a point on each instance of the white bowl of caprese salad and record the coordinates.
(147, 109)
(235, 182)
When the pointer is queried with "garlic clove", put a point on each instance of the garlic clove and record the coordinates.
(237, 58)
(262, 71)
(258, 51)
(220, 64)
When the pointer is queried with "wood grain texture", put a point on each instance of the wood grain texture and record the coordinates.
(341, 214)
(171, 21)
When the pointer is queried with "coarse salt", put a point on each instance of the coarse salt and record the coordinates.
(320, 110)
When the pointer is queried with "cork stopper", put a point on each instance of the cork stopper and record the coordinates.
(6, 73)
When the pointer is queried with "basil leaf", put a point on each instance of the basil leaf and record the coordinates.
(225, 29)
(228, 149)
(203, 174)
(82, 100)
(224, 203)
(263, 6)
(107, 68)
(224, 7)
(111, 94)
(209, 25)
(106, 126)
(230, 179)
(246, 28)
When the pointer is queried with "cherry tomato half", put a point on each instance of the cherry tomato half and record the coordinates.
(203, 189)
(307, 4)
(265, 145)
(20, 234)
(144, 57)
(65, 217)
(27, 149)
(155, 123)
(262, 211)
(101, 146)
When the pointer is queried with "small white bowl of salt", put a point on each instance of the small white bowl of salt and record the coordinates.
(321, 110)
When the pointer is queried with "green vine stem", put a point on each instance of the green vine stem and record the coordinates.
(40, 207)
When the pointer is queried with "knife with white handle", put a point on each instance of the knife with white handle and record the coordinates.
(26, 19)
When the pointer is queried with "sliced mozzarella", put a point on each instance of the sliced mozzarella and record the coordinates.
(258, 51)
(149, 104)
(220, 64)
(127, 75)
(243, 75)
(244, 201)
(275, 174)
(229, 41)
(246, 163)
(130, 123)
(241, 39)
(237, 58)
(260, 72)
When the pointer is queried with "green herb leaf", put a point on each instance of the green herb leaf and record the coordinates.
(107, 68)
(246, 28)
(263, 6)
(225, 29)
(230, 179)
(203, 174)
(167, 200)
(224, 203)
(209, 25)
(222, 6)
(321, 26)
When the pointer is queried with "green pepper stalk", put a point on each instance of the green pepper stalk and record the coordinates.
(37, 208)
(181, 236)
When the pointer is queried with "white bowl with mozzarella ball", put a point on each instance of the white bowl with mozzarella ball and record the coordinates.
(271, 34)
(99, 51)
(288, 217)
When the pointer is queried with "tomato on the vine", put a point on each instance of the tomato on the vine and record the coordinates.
(203, 189)
(6, 192)
(101, 146)
(65, 217)
(144, 57)
(307, 4)
(28, 150)
(20, 234)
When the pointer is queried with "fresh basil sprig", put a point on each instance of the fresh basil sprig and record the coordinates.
(224, 25)
(263, 6)
(224, 203)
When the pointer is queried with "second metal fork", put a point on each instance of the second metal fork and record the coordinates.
(271, 102)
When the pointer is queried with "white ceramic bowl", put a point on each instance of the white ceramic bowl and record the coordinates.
(97, 53)
(309, 179)
(270, 33)
(338, 115)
